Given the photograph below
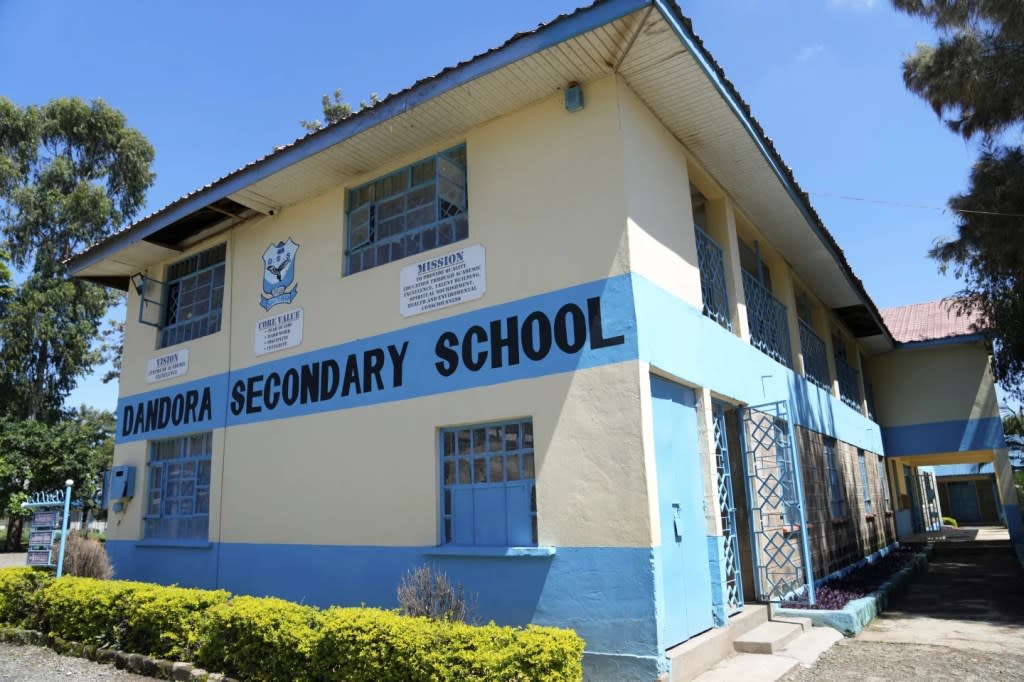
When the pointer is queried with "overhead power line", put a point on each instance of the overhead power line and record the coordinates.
(941, 209)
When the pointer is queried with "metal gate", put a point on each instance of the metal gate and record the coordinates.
(929, 502)
(727, 511)
(778, 527)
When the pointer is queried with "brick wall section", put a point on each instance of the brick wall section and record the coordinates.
(836, 543)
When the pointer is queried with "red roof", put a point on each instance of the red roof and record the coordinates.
(929, 321)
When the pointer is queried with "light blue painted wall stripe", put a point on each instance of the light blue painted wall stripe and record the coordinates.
(672, 335)
(959, 435)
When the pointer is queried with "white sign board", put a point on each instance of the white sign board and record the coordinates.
(443, 281)
(167, 366)
(278, 332)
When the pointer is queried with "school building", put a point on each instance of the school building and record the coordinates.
(576, 337)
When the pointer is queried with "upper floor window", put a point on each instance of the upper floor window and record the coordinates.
(411, 210)
(178, 488)
(487, 485)
(194, 297)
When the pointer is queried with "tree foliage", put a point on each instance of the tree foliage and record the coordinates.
(71, 173)
(335, 109)
(973, 78)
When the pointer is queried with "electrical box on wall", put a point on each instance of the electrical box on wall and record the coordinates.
(118, 486)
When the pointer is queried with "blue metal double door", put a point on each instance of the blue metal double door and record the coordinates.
(684, 577)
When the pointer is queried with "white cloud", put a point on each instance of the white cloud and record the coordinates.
(809, 53)
(853, 4)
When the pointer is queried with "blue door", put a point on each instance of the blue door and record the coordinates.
(963, 498)
(685, 577)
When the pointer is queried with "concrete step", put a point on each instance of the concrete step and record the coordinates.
(802, 651)
(701, 653)
(768, 638)
(804, 623)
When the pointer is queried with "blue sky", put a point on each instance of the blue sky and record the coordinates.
(214, 85)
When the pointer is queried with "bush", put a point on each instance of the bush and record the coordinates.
(368, 644)
(949, 521)
(428, 593)
(263, 640)
(18, 588)
(138, 617)
(85, 558)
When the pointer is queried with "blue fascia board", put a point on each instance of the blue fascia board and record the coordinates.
(957, 435)
(700, 56)
(947, 341)
(518, 48)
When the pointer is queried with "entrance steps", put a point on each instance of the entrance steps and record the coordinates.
(765, 648)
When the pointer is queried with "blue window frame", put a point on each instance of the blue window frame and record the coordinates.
(865, 482)
(178, 488)
(194, 297)
(884, 475)
(411, 210)
(488, 497)
(836, 495)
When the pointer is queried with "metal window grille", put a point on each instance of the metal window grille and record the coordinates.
(487, 484)
(194, 297)
(766, 315)
(865, 483)
(178, 489)
(849, 389)
(714, 293)
(411, 210)
(836, 495)
(815, 356)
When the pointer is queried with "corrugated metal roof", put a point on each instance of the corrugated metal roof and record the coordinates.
(648, 42)
(929, 321)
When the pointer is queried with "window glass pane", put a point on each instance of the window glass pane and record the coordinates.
(179, 498)
(528, 465)
(480, 470)
(497, 470)
(512, 467)
(464, 473)
(511, 436)
(479, 440)
(401, 210)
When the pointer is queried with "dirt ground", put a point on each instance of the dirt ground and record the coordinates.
(963, 620)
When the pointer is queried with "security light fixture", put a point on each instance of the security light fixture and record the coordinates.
(573, 97)
(139, 282)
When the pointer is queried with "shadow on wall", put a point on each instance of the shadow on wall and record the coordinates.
(812, 407)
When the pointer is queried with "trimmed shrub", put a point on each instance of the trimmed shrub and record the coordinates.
(85, 558)
(368, 644)
(18, 590)
(139, 617)
(258, 639)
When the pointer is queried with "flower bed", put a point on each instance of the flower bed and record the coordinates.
(850, 601)
(836, 593)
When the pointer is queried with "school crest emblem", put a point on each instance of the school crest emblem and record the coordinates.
(279, 274)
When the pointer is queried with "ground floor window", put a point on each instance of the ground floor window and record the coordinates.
(836, 495)
(865, 483)
(178, 488)
(488, 497)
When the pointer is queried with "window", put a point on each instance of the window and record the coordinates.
(414, 209)
(178, 489)
(836, 496)
(194, 298)
(487, 485)
(864, 482)
(886, 495)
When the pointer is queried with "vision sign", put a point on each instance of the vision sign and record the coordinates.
(584, 326)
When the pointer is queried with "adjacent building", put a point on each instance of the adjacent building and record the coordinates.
(557, 321)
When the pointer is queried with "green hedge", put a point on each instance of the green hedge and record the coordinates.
(18, 588)
(369, 644)
(265, 639)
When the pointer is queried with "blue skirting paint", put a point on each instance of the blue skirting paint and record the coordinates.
(605, 594)
(958, 435)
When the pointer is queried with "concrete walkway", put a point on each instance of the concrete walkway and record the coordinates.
(962, 620)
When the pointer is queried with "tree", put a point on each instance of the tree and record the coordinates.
(71, 174)
(335, 109)
(35, 456)
(973, 78)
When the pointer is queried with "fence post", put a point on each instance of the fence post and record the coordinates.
(64, 526)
